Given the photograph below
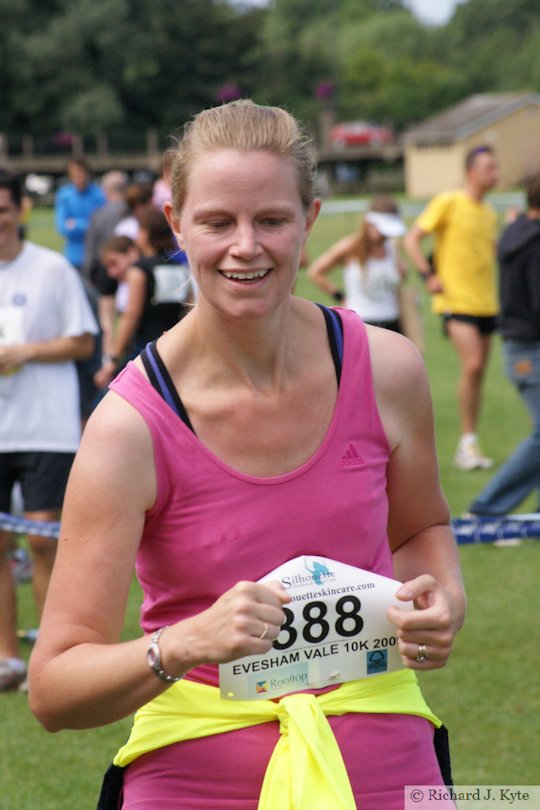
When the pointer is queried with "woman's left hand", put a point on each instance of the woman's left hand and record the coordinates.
(426, 634)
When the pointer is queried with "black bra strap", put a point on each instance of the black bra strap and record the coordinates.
(162, 382)
(334, 326)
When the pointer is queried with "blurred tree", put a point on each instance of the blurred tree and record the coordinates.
(302, 43)
(390, 71)
(63, 67)
(495, 44)
(298, 48)
(103, 63)
(121, 66)
(92, 111)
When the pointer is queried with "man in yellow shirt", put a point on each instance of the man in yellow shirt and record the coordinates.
(462, 283)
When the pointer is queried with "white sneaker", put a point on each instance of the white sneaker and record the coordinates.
(12, 673)
(469, 456)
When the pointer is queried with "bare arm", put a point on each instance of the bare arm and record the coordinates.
(130, 318)
(126, 326)
(107, 315)
(333, 257)
(412, 243)
(57, 350)
(425, 554)
(81, 675)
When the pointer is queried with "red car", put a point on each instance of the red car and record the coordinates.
(360, 133)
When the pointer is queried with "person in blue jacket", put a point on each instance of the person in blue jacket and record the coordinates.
(75, 203)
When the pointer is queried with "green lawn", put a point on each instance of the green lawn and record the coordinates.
(488, 696)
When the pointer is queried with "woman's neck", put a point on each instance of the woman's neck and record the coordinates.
(258, 353)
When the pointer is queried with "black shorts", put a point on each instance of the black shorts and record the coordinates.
(486, 324)
(42, 477)
(394, 326)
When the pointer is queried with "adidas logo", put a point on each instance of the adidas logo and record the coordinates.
(350, 457)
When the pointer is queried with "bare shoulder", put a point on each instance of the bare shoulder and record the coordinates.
(135, 274)
(116, 442)
(115, 420)
(396, 362)
(347, 243)
(400, 381)
(344, 248)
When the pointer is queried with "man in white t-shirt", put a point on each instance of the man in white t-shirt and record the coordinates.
(45, 325)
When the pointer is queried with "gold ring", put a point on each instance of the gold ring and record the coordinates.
(421, 655)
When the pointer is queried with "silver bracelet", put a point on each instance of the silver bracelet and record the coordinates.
(153, 656)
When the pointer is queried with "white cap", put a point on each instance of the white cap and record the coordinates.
(389, 225)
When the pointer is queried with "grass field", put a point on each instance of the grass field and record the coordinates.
(488, 696)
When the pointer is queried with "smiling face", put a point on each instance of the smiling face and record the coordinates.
(243, 226)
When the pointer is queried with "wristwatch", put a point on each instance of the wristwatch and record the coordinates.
(427, 274)
(153, 656)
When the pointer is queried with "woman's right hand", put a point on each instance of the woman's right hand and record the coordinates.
(245, 620)
(434, 285)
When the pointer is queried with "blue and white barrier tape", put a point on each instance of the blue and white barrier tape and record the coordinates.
(21, 525)
(466, 530)
(487, 530)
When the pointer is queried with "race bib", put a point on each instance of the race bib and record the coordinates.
(171, 284)
(11, 326)
(11, 334)
(335, 631)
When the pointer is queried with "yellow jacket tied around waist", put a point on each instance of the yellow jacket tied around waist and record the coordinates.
(306, 770)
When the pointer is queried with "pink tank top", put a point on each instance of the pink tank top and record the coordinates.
(212, 526)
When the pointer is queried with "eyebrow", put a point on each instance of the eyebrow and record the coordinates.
(204, 213)
(280, 209)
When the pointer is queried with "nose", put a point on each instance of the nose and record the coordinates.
(246, 242)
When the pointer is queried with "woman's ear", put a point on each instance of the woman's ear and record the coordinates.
(174, 221)
(311, 216)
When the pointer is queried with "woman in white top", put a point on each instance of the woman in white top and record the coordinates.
(372, 270)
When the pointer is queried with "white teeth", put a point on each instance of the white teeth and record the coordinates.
(245, 276)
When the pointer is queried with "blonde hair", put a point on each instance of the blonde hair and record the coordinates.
(382, 205)
(244, 125)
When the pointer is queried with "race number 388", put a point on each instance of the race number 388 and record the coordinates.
(335, 629)
(317, 623)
